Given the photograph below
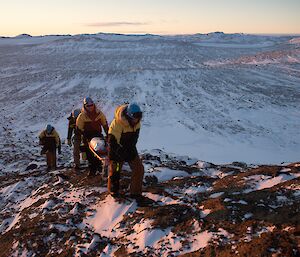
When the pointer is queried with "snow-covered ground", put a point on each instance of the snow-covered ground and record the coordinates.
(213, 98)
(189, 207)
(217, 97)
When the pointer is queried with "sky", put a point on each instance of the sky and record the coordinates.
(44, 17)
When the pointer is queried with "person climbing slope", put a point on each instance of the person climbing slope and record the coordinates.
(75, 139)
(90, 123)
(50, 140)
(123, 135)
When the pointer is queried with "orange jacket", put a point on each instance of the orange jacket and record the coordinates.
(90, 124)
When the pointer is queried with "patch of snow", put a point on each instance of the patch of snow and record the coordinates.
(234, 45)
(145, 236)
(108, 214)
(216, 195)
(199, 241)
(205, 212)
(48, 205)
(13, 221)
(248, 215)
(108, 251)
(274, 181)
(203, 165)
(195, 190)
(289, 228)
(162, 199)
(164, 174)
(260, 182)
(285, 170)
(295, 41)
(265, 230)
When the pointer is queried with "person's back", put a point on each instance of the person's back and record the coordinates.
(50, 141)
(72, 123)
(49, 138)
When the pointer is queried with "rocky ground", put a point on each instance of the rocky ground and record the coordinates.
(190, 208)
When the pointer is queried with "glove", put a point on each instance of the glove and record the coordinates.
(69, 142)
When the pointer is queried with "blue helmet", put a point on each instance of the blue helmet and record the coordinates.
(88, 101)
(76, 113)
(134, 111)
(49, 129)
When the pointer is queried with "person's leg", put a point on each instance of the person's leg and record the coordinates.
(113, 182)
(48, 160)
(51, 159)
(105, 165)
(54, 159)
(137, 175)
(97, 164)
(76, 152)
(89, 155)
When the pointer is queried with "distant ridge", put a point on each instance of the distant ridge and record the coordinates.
(209, 34)
(23, 36)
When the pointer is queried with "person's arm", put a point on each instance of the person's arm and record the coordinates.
(41, 138)
(71, 127)
(136, 136)
(114, 136)
(80, 124)
(114, 147)
(104, 124)
(57, 141)
(105, 127)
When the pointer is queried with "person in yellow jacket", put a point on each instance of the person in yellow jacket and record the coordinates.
(89, 124)
(50, 141)
(123, 135)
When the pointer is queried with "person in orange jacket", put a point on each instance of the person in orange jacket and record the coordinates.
(123, 135)
(50, 141)
(89, 124)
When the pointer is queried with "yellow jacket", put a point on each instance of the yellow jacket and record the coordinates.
(122, 136)
(90, 124)
(120, 125)
(50, 141)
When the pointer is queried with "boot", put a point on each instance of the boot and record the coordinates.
(91, 174)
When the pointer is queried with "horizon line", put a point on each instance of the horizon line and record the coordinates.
(154, 34)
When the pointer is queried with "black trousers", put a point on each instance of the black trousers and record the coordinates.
(94, 163)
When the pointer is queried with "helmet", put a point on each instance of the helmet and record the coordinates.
(76, 113)
(134, 111)
(98, 145)
(49, 129)
(87, 101)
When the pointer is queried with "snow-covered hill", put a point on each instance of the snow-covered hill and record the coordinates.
(192, 105)
(228, 99)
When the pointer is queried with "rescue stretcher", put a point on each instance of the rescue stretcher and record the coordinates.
(98, 147)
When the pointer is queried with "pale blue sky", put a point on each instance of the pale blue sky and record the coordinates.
(39, 17)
